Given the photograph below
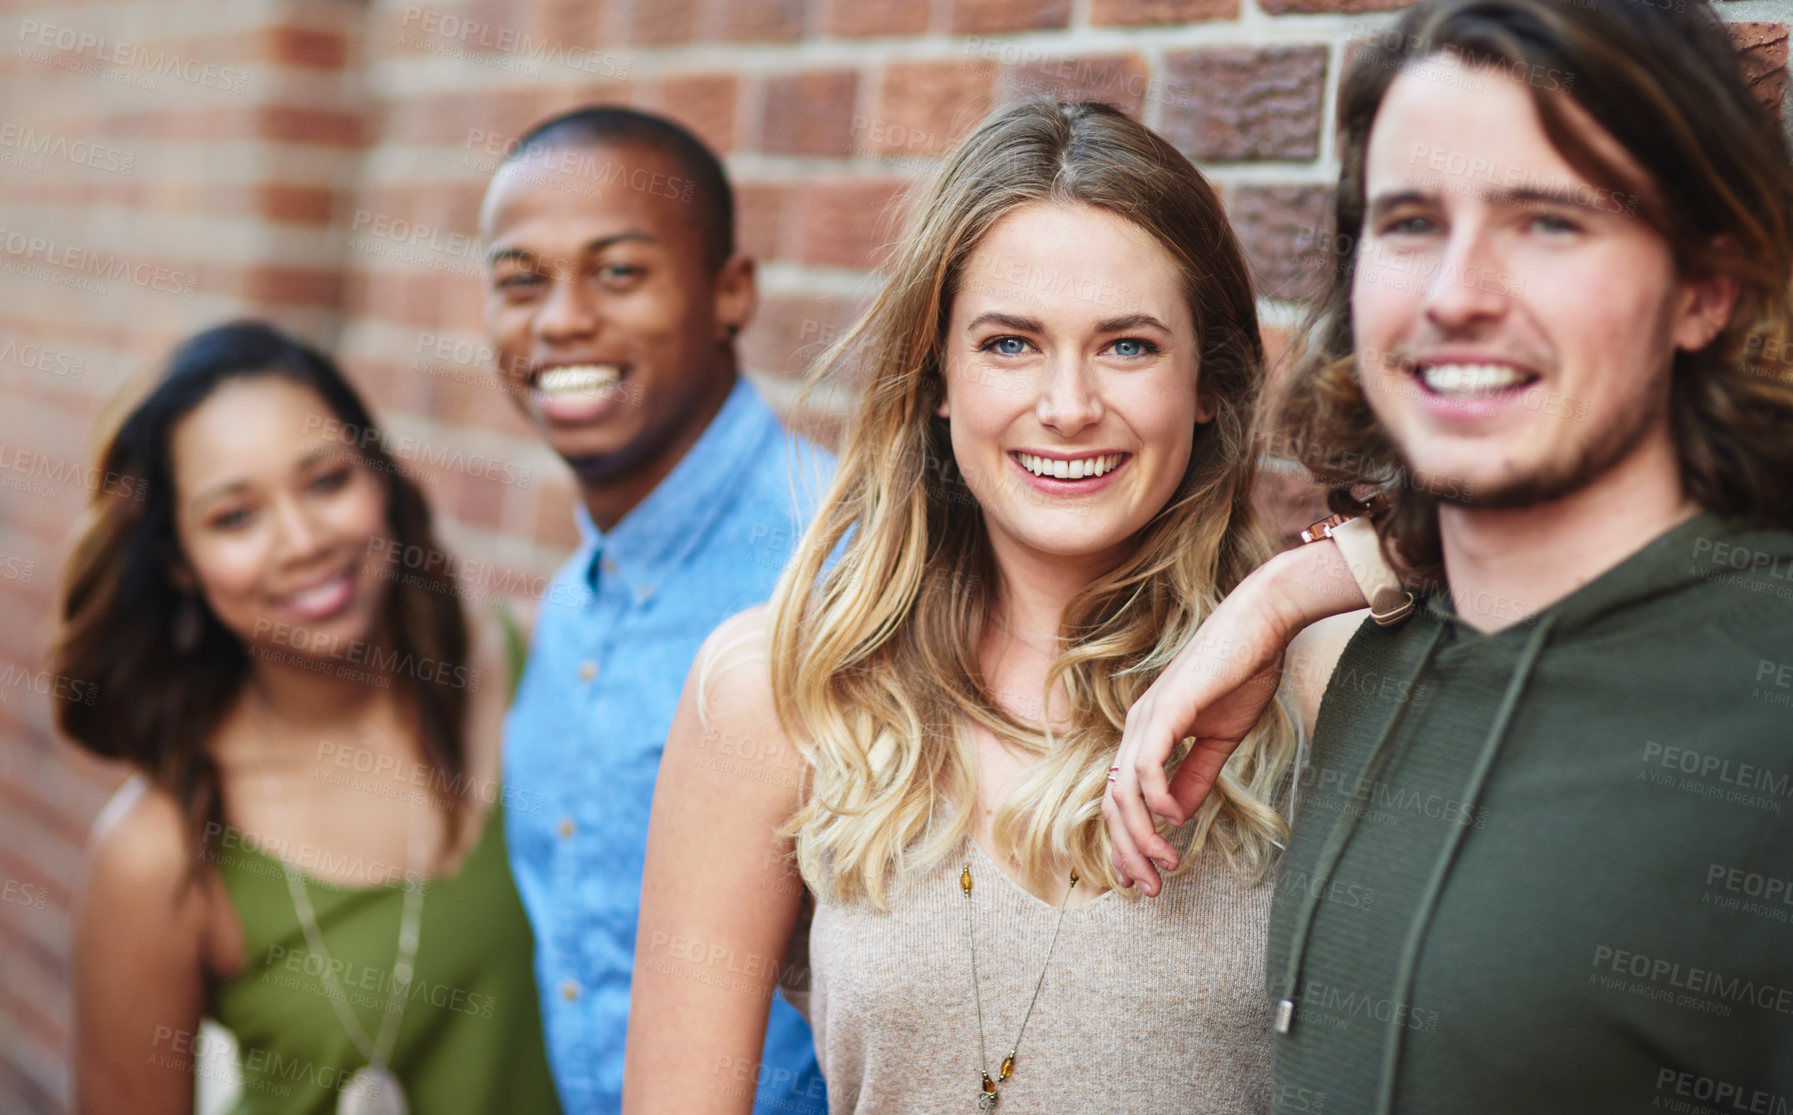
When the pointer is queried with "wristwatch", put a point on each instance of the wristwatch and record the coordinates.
(1357, 543)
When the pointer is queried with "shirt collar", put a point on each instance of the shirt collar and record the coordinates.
(666, 526)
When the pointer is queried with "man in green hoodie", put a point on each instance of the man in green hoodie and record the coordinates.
(1543, 857)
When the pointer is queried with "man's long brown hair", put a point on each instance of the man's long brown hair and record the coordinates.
(1664, 83)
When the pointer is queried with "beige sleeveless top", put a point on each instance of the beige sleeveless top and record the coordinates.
(1149, 1005)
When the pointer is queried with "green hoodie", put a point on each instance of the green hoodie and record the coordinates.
(1551, 868)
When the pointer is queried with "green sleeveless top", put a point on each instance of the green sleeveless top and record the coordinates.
(470, 1037)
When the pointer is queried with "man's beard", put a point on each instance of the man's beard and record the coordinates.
(1551, 482)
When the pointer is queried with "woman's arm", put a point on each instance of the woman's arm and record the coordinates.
(1215, 690)
(718, 902)
(139, 949)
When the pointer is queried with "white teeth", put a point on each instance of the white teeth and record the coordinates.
(1080, 469)
(1470, 379)
(578, 379)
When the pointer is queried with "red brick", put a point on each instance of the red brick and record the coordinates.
(705, 103)
(664, 22)
(299, 124)
(809, 113)
(555, 528)
(983, 17)
(925, 108)
(865, 18)
(1762, 56)
(305, 46)
(557, 99)
(1134, 13)
(1287, 502)
(1254, 103)
(579, 24)
(1116, 79)
(847, 222)
(778, 21)
(1283, 232)
(307, 205)
(761, 219)
(791, 331)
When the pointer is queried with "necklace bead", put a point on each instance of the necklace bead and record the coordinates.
(988, 1097)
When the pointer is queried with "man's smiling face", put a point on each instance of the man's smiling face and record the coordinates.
(1515, 324)
(610, 322)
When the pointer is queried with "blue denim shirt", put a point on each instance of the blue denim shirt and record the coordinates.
(613, 642)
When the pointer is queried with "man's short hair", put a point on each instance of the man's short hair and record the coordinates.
(614, 125)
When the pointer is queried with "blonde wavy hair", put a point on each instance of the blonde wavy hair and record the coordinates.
(874, 659)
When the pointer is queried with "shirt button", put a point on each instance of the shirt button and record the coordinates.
(569, 990)
(608, 565)
(588, 670)
(644, 592)
(566, 827)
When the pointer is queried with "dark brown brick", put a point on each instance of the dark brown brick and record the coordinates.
(924, 108)
(301, 46)
(809, 113)
(1762, 56)
(1117, 79)
(1283, 230)
(286, 204)
(1254, 104)
(1134, 13)
(986, 17)
(865, 18)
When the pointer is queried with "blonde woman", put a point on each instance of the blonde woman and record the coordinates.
(883, 791)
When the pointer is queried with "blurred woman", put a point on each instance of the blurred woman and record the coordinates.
(1044, 491)
(312, 850)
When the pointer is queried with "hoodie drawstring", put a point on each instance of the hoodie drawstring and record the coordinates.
(1334, 848)
(1422, 915)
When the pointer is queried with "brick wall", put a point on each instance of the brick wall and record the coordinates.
(167, 165)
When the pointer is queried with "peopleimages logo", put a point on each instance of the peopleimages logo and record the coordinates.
(131, 56)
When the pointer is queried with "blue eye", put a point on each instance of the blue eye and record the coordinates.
(1005, 346)
(1134, 347)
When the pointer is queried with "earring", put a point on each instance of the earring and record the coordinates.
(185, 631)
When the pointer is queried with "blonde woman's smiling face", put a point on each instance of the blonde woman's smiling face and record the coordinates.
(1070, 366)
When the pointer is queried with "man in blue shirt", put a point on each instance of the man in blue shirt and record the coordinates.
(614, 301)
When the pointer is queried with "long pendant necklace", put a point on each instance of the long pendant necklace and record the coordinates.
(373, 1089)
(988, 1095)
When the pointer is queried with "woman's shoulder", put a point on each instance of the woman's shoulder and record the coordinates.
(732, 673)
(140, 840)
(140, 872)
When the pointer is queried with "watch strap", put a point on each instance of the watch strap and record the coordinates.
(1356, 539)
